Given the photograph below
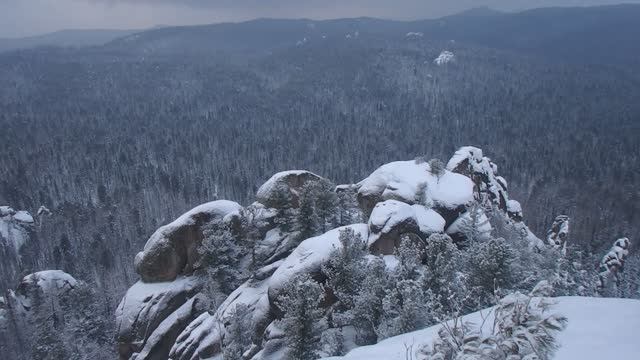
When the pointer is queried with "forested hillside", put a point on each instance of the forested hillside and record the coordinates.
(119, 139)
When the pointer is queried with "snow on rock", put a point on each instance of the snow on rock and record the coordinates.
(47, 283)
(599, 328)
(478, 223)
(172, 249)
(406, 180)
(309, 256)
(514, 210)
(392, 218)
(490, 187)
(557, 235)
(292, 181)
(415, 34)
(146, 305)
(202, 338)
(23, 216)
(444, 58)
(16, 228)
(613, 261)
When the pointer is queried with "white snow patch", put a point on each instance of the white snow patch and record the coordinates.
(599, 328)
(444, 58)
(403, 179)
(23, 216)
(413, 34)
(514, 206)
(49, 280)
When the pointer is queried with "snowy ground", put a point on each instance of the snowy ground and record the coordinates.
(598, 329)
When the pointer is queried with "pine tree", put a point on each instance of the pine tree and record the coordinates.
(219, 258)
(308, 219)
(285, 214)
(368, 308)
(344, 270)
(300, 301)
(236, 340)
(488, 267)
(404, 309)
(440, 278)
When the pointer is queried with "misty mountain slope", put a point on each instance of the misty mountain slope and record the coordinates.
(64, 38)
(604, 34)
(594, 325)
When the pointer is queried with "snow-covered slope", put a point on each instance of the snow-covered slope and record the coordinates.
(599, 328)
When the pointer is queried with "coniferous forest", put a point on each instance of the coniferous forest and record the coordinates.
(105, 144)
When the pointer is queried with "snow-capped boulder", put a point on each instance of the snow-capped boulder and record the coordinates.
(559, 232)
(444, 58)
(514, 210)
(291, 181)
(469, 161)
(412, 182)
(172, 249)
(44, 284)
(14, 227)
(391, 219)
(151, 316)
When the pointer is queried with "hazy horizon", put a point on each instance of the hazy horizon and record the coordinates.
(23, 18)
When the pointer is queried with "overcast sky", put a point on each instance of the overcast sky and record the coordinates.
(30, 17)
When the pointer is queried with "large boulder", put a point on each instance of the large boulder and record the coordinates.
(43, 285)
(414, 182)
(172, 249)
(391, 219)
(151, 316)
(291, 182)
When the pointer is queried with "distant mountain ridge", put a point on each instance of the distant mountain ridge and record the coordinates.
(64, 38)
(598, 34)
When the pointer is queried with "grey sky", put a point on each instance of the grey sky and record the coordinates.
(29, 17)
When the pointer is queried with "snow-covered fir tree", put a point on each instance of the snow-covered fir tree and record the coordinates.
(300, 302)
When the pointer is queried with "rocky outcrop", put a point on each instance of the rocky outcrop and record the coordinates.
(559, 232)
(142, 316)
(391, 219)
(16, 230)
(289, 181)
(172, 249)
(42, 285)
(161, 316)
(469, 161)
(414, 182)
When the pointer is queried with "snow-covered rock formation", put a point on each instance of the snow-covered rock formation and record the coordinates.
(41, 285)
(557, 235)
(171, 250)
(444, 58)
(164, 314)
(16, 228)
